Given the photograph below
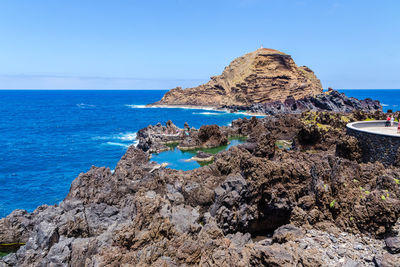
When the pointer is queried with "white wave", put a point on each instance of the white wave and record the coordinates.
(137, 106)
(117, 144)
(252, 115)
(83, 105)
(384, 105)
(210, 113)
(172, 106)
(229, 124)
(100, 137)
(127, 136)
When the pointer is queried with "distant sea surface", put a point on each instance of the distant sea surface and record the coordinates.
(48, 137)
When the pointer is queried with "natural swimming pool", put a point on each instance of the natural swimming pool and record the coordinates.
(178, 159)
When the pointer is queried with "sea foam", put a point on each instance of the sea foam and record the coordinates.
(117, 144)
(124, 137)
(127, 136)
(137, 106)
(83, 105)
(210, 113)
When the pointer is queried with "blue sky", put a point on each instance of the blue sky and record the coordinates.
(118, 44)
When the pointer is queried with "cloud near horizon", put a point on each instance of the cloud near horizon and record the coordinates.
(23, 81)
(70, 82)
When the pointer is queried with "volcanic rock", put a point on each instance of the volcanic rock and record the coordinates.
(393, 244)
(327, 101)
(261, 76)
(203, 157)
(287, 233)
(208, 136)
(349, 148)
(154, 138)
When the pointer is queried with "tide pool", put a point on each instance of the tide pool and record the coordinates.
(178, 159)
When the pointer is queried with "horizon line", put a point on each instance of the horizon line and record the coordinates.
(148, 89)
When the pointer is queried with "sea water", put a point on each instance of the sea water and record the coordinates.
(48, 137)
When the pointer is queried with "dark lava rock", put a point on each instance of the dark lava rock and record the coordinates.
(393, 244)
(309, 134)
(287, 233)
(386, 260)
(348, 147)
(397, 161)
(328, 101)
(203, 155)
(211, 136)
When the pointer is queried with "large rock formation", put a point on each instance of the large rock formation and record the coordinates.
(261, 76)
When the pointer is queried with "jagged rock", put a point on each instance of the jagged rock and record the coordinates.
(154, 137)
(309, 134)
(16, 227)
(261, 76)
(287, 233)
(208, 136)
(203, 155)
(393, 244)
(397, 161)
(329, 101)
(240, 239)
(386, 260)
(349, 148)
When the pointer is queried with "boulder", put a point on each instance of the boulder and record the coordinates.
(287, 233)
(393, 244)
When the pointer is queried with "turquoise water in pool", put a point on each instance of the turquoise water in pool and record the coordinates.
(177, 159)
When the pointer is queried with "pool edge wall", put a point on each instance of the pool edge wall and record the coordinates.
(384, 148)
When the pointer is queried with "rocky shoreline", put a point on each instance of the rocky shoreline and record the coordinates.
(328, 101)
(312, 203)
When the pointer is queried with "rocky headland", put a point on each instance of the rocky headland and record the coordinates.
(312, 203)
(267, 82)
(262, 76)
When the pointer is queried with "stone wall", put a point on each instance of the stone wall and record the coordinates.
(375, 146)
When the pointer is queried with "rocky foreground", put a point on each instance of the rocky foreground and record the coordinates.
(262, 76)
(313, 203)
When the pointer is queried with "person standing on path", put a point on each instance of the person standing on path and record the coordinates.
(392, 121)
(387, 123)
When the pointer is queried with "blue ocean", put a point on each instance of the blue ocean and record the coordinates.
(48, 137)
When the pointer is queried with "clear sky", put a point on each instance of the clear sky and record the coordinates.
(117, 44)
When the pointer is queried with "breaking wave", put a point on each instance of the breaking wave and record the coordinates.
(137, 106)
(83, 105)
(210, 113)
(126, 138)
(117, 144)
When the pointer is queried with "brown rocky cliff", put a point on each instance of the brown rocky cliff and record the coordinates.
(261, 76)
